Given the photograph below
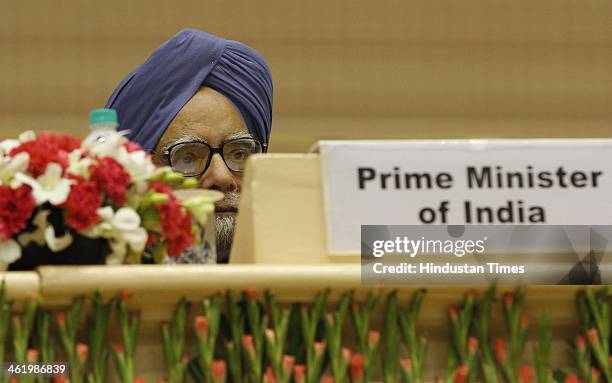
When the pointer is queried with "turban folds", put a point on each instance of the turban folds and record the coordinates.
(149, 98)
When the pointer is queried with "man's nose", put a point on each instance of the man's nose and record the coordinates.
(218, 176)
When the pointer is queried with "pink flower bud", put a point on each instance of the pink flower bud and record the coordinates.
(319, 347)
(373, 338)
(218, 370)
(288, 362)
(473, 344)
(184, 360)
(55, 379)
(139, 380)
(570, 378)
(60, 318)
(201, 326)
(251, 293)
(500, 351)
(247, 343)
(346, 354)
(406, 364)
(581, 342)
(592, 336)
(119, 348)
(461, 374)
(356, 367)
(524, 321)
(32, 355)
(595, 374)
(125, 294)
(83, 350)
(327, 379)
(270, 334)
(299, 373)
(270, 377)
(525, 374)
(452, 313)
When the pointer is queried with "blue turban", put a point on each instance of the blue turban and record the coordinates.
(149, 98)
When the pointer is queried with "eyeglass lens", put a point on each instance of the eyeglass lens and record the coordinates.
(191, 158)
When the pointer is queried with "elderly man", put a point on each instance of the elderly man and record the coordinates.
(202, 105)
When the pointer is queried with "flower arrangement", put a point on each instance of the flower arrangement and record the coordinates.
(56, 190)
(248, 338)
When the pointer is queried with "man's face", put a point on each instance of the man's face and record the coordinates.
(211, 118)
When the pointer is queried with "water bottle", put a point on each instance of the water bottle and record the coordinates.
(103, 123)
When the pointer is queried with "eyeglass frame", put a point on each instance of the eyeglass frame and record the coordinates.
(218, 149)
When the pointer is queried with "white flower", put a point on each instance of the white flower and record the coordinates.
(118, 252)
(126, 219)
(45, 233)
(26, 136)
(126, 225)
(122, 230)
(77, 164)
(38, 235)
(50, 186)
(138, 164)
(137, 239)
(12, 165)
(10, 251)
(105, 213)
(7, 145)
(57, 243)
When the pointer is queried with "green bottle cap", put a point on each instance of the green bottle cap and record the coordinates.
(103, 116)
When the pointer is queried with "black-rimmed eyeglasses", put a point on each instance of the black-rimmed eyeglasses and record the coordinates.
(193, 158)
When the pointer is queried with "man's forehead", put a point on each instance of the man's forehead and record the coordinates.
(208, 116)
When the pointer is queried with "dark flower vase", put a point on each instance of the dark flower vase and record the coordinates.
(82, 251)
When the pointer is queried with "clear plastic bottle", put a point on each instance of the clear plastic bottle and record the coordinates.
(103, 123)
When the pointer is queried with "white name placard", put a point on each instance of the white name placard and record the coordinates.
(545, 181)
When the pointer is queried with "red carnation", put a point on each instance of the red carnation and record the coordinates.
(175, 222)
(81, 205)
(175, 227)
(47, 148)
(111, 179)
(16, 206)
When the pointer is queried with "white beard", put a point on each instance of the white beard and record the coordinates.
(224, 228)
